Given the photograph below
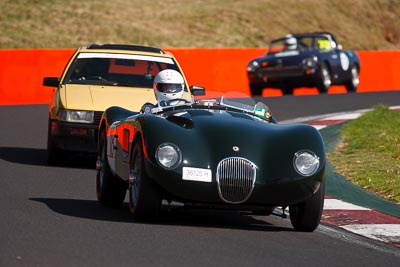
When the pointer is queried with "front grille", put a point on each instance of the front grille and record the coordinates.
(97, 117)
(235, 178)
(288, 71)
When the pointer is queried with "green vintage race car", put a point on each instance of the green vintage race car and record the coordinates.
(223, 153)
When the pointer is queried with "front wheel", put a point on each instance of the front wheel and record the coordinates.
(256, 89)
(144, 195)
(306, 215)
(110, 190)
(287, 90)
(354, 81)
(54, 155)
(325, 80)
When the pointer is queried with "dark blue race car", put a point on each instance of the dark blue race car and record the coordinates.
(304, 60)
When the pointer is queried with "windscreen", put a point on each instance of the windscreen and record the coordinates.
(117, 69)
(301, 43)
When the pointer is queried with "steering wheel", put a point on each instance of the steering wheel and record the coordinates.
(168, 102)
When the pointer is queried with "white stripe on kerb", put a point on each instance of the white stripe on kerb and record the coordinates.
(349, 116)
(319, 127)
(336, 204)
(382, 232)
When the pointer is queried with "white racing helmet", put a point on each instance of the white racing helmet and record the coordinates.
(168, 85)
(291, 43)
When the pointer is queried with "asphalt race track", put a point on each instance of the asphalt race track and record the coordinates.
(50, 215)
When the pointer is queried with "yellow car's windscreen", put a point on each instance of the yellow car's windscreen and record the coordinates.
(117, 69)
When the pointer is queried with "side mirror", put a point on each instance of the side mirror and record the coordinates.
(51, 81)
(197, 90)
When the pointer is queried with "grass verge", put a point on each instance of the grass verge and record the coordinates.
(369, 154)
(358, 25)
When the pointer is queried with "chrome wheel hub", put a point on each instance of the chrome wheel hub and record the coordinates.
(100, 174)
(354, 74)
(133, 185)
(327, 78)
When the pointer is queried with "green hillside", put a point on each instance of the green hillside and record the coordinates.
(358, 24)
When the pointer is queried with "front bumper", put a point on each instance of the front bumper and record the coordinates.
(77, 137)
(284, 77)
(282, 192)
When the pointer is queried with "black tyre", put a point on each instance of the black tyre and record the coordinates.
(287, 90)
(54, 155)
(353, 83)
(306, 216)
(111, 190)
(256, 89)
(144, 195)
(325, 81)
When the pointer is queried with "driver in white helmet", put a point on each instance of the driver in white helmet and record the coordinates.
(168, 85)
(290, 43)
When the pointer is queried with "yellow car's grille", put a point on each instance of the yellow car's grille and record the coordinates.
(97, 117)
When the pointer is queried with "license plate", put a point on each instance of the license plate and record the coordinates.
(196, 174)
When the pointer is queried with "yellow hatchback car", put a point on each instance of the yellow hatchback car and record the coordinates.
(95, 78)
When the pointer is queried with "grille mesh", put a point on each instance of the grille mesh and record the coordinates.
(235, 178)
(97, 117)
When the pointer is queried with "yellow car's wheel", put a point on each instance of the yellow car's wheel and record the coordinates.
(54, 155)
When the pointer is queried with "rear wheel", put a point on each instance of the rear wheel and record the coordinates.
(325, 80)
(144, 195)
(306, 216)
(110, 190)
(353, 83)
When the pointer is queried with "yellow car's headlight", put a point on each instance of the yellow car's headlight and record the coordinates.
(80, 116)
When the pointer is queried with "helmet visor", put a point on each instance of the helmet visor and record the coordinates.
(169, 87)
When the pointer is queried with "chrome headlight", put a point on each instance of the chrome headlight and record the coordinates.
(253, 66)
(306, 163)
(168, 155)
(81, 116)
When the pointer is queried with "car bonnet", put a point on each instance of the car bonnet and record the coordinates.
(98, 98)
